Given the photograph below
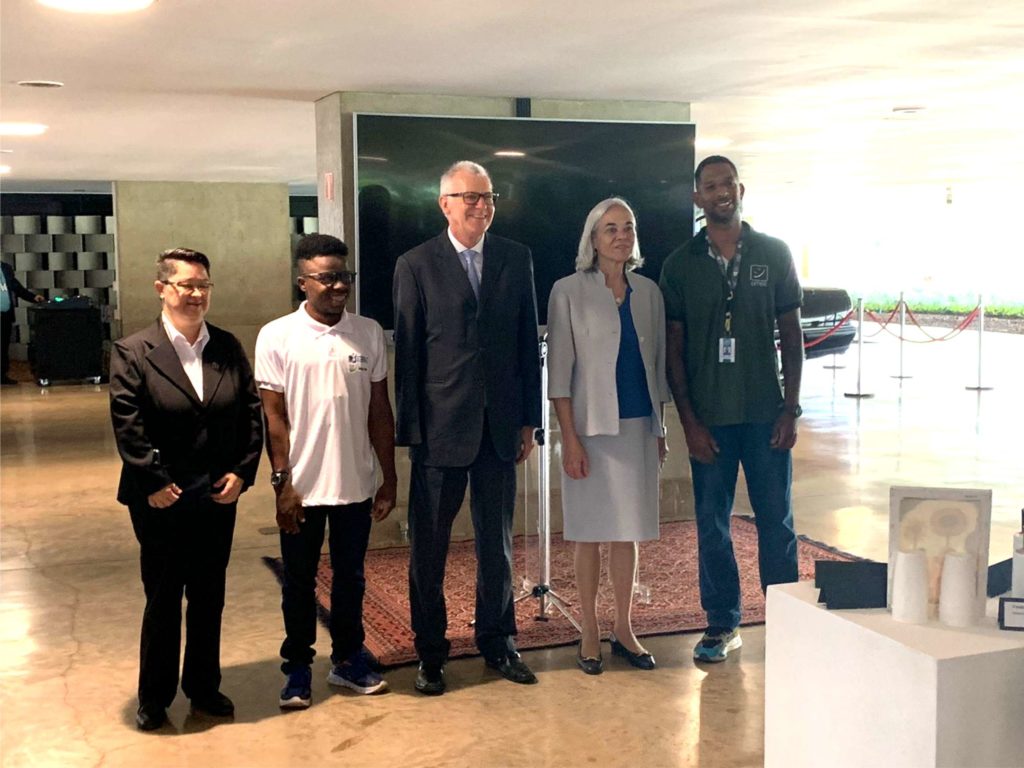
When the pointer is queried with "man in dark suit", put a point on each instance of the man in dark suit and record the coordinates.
(11, 290)
(468, 392)
(189, 430)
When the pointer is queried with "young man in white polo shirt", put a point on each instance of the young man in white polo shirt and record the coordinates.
(322, 374)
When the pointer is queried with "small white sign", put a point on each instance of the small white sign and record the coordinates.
(1011, 613)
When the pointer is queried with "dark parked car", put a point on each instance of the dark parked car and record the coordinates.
(823, 309)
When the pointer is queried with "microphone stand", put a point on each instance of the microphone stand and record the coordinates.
(546, 597)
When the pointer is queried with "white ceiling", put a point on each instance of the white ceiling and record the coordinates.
(804, 90)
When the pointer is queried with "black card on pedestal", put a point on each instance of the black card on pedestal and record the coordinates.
(860, 584)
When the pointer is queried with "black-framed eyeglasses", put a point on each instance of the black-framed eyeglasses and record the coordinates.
(328, 279)
(472, 198)
(189, 286)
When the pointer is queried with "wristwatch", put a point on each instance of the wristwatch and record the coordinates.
(279, 478)
(796, 411)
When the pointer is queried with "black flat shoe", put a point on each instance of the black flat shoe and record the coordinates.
(150, 717)
(430, 679)
(589, 664)
(639, 660)
(513, 668)
(216, 704)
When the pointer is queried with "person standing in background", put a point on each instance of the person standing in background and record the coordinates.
(187, 424)
(468, 389)
(11, 290)
(726, 290)
(322, 374)
(606, 363)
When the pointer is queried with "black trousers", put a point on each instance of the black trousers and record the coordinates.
(349, 526)
(435, 495)
(6, 327)
(184, 549)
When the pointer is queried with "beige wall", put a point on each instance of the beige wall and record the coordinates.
(243, 228)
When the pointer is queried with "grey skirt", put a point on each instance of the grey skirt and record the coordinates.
(618, 500)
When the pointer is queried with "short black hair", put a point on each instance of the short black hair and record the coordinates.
(164, 269)
(713, 160)
(311, 246)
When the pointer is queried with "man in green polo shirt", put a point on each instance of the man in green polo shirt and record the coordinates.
(725, 291)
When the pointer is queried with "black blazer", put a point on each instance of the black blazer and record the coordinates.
(14, 286)
(456, 357)
(164, 434)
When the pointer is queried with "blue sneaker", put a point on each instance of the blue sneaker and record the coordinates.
(297, 692)
(716, 644)
(355, 673)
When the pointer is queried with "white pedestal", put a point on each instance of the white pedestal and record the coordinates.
(855, 688)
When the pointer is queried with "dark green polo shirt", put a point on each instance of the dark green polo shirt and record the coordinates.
(748, 390)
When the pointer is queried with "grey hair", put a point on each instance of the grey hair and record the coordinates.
(586, 255)
(463, 166)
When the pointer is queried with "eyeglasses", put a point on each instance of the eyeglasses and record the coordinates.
(189, 286)
(472, 198)
(328, 279)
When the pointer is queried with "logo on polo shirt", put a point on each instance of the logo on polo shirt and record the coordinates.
(759, 275)
(357, 363)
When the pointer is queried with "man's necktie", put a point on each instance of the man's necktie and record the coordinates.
(474, 279)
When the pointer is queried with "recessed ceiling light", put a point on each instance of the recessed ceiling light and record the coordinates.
(41, 83)
(5, 169)
(7, 151)
(910, 109)
(509, 153)
(22, 129)
(97, 6)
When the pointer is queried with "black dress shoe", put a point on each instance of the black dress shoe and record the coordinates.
(430, 679)
(592, 665)
(216, 704)
(513, 668)
(150, 717)
(639, 660)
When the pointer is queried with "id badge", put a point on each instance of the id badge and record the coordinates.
(727, 349)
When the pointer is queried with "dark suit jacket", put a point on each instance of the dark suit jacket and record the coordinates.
(14, 286)
(454, 354)
(155, 409)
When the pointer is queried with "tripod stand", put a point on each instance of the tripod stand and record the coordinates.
(546, 597)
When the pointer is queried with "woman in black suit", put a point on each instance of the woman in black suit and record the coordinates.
(189, 430)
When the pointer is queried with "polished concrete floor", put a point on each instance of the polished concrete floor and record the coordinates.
(71, 598)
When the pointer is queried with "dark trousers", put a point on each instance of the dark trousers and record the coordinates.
(769, 475)
(184, 549)
(349, 526)
(435, 495)
(6, 328)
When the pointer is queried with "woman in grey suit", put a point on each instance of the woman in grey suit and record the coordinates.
(606, 360)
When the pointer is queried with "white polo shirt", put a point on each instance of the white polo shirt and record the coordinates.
(325, 374)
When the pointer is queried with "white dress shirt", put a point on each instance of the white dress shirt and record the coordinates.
(190, 355)
(478, 260)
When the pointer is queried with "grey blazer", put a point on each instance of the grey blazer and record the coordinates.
(583, 346)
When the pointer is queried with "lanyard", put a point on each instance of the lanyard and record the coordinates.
(731, 273)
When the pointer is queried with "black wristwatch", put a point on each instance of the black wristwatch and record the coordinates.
(277, 479)
(796, 411)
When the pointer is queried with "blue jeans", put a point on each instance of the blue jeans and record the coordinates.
(769, 474)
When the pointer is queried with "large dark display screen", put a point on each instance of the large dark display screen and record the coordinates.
(566, 168)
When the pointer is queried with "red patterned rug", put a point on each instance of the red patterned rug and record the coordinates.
(669, 599)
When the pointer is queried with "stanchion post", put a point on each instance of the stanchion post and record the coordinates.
(981, 336)
(903, 322)
(860, 351)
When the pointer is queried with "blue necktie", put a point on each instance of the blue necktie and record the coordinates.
(474, 280)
